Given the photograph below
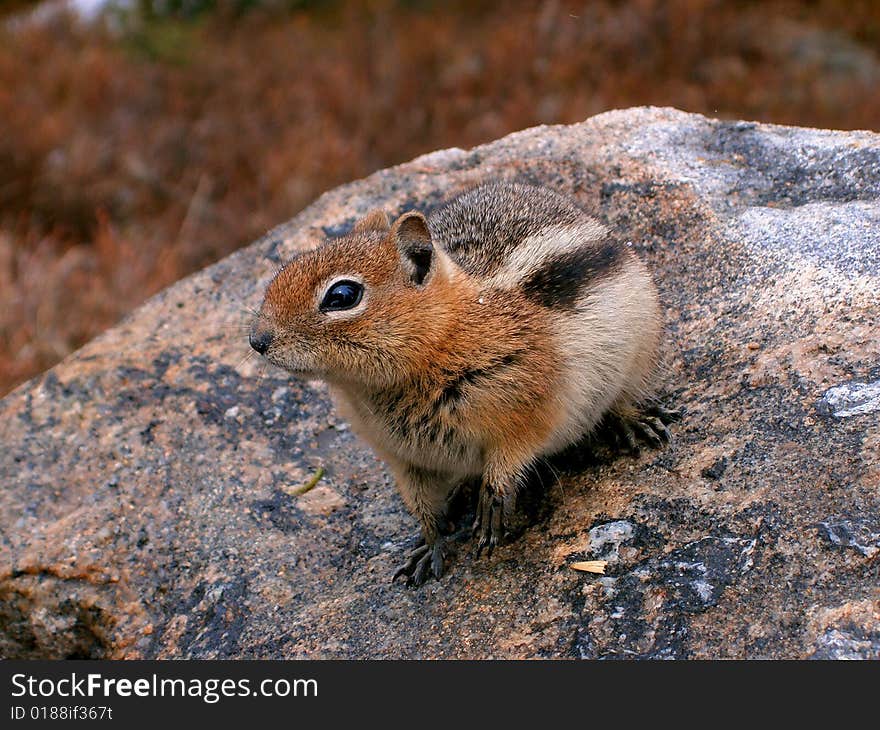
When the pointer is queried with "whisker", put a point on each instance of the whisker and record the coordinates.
(245, 309)
(247, 357)
(555, 474)
(537, 472)
(365, 405)
(261, 375)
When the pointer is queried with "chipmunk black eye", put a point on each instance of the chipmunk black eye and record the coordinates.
(342, 295)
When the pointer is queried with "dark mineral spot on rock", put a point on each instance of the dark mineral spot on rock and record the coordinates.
(278, 512)
(644, 612)
(342, 228)
(849, 641)
(861, 534)
(716, 470)
(273, 252)
(215, 616)
(696, 574)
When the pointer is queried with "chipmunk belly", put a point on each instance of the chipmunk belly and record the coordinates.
(412, 430)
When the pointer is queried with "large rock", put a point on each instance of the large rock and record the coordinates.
(148, 505)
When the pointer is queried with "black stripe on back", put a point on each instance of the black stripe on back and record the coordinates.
(560, 281)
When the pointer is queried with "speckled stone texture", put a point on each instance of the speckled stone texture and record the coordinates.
(148, 505)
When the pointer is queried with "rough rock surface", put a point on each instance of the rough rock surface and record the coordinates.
(148, 506)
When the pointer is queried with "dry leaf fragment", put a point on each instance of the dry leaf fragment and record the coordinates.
(591, 566)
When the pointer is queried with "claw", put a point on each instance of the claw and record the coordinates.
(630, 438)
(644, 428)
(437, 555)
(421, 561)
(650, 427)
(660, 429)
(489, 522)
(666, 415)
(420, 573)
(408, 567)
(482, 544)
(497, 524)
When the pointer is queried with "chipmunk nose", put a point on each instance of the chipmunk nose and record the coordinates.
(260, 340)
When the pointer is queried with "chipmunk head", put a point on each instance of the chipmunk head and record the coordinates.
(353, 309)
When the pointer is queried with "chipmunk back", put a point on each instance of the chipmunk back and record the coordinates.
(470, 344)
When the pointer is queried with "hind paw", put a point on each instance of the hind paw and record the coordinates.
(425, 560)
(648, 427)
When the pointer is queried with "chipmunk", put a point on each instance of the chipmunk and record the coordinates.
(470, 344)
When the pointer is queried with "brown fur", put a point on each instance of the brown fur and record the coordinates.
(452, 374)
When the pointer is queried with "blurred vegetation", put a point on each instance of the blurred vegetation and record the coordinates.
(153, 141)
(190, 9)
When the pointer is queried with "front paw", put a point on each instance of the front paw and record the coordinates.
(426, 559)
(489, 522)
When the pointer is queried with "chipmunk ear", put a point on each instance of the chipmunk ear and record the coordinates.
(375, 220)
(410, 233)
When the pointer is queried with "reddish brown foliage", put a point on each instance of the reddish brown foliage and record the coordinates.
(121, 170)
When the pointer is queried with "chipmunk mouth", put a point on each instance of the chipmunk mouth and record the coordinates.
(294, 367)
(302, 373)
